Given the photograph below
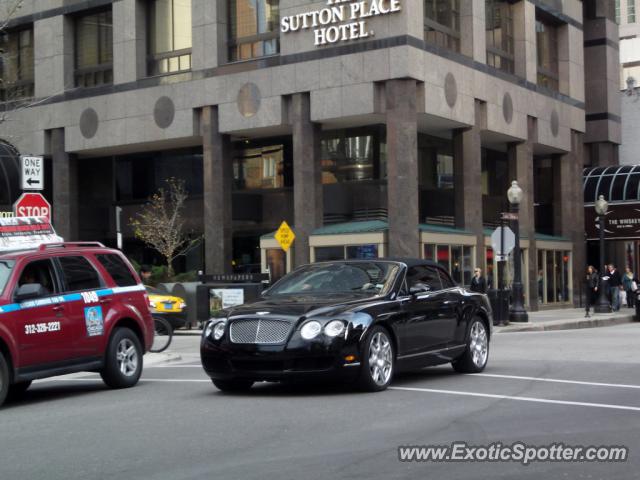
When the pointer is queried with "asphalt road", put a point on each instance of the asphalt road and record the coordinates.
(176, 425)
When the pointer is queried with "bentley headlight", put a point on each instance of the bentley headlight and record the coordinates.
(310, 330)
(218, 330)
(208, 330)
(334, 328)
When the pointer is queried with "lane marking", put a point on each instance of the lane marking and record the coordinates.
(554, 380)
(406, 389)
(521, 399)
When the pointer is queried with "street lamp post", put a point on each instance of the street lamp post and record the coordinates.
(517, 312)
(602, 304)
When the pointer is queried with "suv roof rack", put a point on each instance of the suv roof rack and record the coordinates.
(46, 246)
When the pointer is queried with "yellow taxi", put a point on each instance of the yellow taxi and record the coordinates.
(173, 309)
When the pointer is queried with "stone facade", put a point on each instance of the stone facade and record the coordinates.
(392, 77)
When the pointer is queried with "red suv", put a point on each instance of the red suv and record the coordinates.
(71, 307)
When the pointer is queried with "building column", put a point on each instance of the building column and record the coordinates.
(569, 207)
(602, 83)
(65, 188)
(53, 55)
(467, 187)
(473, 37)
(524, 35)
(129, 41)
(402, 168)
(521, 170)
(210, 28)
(218, 178)
(307, 176)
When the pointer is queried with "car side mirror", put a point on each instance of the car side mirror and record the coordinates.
(419, 288)
(29, 291)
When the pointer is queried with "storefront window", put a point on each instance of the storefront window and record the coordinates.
(499, 29)
(253, 29)
(94, 49)
(260, 168)
(349, 252)
(554, 284)
(17, 66)
(442, 23)
(456, 259)
(169, 36)
(325, 254)
(547, 48)
(360, 252)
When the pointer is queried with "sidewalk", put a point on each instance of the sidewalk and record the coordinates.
(567, 319)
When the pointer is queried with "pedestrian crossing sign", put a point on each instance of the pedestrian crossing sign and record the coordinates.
(285, 236)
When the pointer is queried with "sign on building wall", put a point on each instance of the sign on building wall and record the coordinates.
(31, 173)
(621, 222)
(340, 20)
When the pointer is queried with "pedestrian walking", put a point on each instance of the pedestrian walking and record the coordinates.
(478, 283)
(615, 284)
(630, 284)
(591, 282)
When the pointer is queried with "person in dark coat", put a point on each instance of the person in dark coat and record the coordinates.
(615, 284)
(478, 283)
(591, 282)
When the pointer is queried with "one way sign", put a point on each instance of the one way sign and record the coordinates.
(32, 172)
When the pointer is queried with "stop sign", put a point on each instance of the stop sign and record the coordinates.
(32, 205)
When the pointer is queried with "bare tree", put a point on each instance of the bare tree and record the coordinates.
(160, 223)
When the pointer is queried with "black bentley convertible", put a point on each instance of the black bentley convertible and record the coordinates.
(355, 320)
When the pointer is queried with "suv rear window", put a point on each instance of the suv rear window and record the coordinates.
(79, 274)
(117, 269)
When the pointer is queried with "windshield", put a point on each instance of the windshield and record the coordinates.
(6, 266)
(367, 278)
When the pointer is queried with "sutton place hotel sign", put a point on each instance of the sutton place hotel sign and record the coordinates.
(340, 20)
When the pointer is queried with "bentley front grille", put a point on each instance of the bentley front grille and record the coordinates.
(260, 331)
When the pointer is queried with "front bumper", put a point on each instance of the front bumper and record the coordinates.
(322, 358)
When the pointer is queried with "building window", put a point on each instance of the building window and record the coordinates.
(347, 157)
(442, 23)
(94, 49)
(261, 168)
(547, 46)
(456, 259)
(16, 68)
(169, 43)
(253, 29)
(499, 27)
(435, 180)
(618, 12)
(631, 11)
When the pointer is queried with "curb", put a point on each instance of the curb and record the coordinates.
(572, 324)
(151, 359)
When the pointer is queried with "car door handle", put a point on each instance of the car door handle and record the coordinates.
(105, 300)
(58, 308)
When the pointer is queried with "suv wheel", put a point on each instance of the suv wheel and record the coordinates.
(4, 379)
(123, 360)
